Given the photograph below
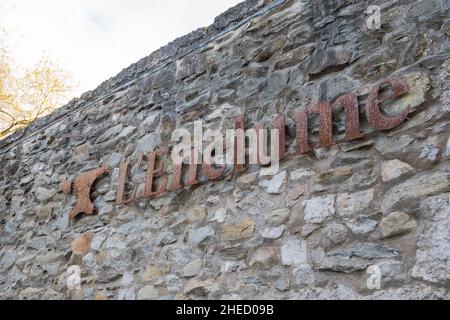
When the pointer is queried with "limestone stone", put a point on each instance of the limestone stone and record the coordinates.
(43, 194)
(277, 217)
(334, 175)
(273, 233)
(356, 257)
(41, 242)
(8, 259)
(409, 292)
(192, 269)
(148, 293)
(147, 143)
(113, 160)
(294, 57)
(296, 192)
(370, 251)
(418, 85)
(319, 209)
(274, 185)
(110, 196)
(397, 223)
(294, 252)
(334, 234)
(309, 228)
(393, 169)
(358, 144)
(392, 272)
(318, 255)
(393, 145)
(127, 132)
(429, 152)
(282, 284)
(361, 225)
(301, 174)
(44, 213)
(242, 230)
(233, 266)
(153, 272)
(214, 199)
(333, 291)
(30, 293)
(265, 258)
(126, 294)
(83, 244)
(303, 275)
(350, 204)
(197, 286)
(16, 202)
(97, 241)
(49, 257)
(333, 56)
(114, 131)
(106, 209)
(52, 295)
(99, 296)
(415, 188)
(220, 215)
(197, 214)
(166, 238)
(202, 235)
(336, 85)
(432, 254)
(238, 195)
(81, 153)
(173, 283)
(247, 179)
(161, 202)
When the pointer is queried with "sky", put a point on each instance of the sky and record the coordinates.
(95, 39)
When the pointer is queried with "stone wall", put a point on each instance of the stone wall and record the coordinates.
(316, 230)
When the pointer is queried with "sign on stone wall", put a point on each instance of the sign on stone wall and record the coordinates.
(262, 157)
(237, 145)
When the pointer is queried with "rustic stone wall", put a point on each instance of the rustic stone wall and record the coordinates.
(312, 231)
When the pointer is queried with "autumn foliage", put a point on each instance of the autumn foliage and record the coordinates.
(27, 94)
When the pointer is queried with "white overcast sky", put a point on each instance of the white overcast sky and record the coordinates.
(95, 39)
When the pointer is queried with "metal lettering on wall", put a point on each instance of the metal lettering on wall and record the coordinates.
(82, 187)
(83, 183)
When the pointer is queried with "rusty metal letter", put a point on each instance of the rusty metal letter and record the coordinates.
(153, 172)
(350, 103)
(176, 178)
(262, 154)
(325, 125)
(278, 123)
(192, 173)
(374, 115)
(123, 172)
(211, 173)
(82, 188)
(301, 129)
(239, 145)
